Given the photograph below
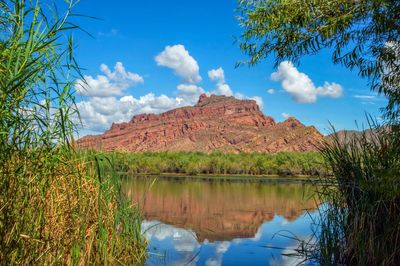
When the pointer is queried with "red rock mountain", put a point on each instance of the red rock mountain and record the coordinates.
(214, 123)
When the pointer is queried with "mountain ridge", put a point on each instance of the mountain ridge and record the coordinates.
(216, 122)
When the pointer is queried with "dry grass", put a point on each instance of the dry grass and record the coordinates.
(71, 217)
(56, 207)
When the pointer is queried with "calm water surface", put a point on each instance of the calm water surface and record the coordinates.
(222, 223)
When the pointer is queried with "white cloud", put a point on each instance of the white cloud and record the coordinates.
(222, 88)
(190, 89)
(301, 87)
(286, 115)
(184, 65)
(217, 75)
(332, 90)
(120, 74)
(113, 83)
(189, 93)
(271, 91)
(111, 33)
(107, 101)
(258, 100)
(97, 114)
(365, 97)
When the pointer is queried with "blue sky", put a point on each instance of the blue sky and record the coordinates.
(199, 34)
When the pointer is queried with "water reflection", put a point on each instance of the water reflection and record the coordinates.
(220, 223)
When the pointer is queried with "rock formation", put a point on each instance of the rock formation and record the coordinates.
(219, 123)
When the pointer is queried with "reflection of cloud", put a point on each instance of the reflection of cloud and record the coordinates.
(272, 239)
(223, 247)
(212, 262)
(182, 240)
(284, 222)
(220, 249)
(236, 241)
(290, 255)
(258, 234)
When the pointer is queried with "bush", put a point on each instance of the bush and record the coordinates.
(192, 163)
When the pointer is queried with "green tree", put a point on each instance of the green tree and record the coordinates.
(362, 35)
(360, 222)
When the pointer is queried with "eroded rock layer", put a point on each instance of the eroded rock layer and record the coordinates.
(215, 123)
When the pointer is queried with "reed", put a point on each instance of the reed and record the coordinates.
(56, 206)
(359, 222)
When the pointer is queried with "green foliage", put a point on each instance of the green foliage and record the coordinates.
(217, 163)
(363, 35)
(54, 208)
(360, 224)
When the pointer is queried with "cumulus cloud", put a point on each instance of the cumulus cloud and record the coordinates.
(258, 100)
(189, 93)
(271, 91)
(218, 76)
(223, 89)
(112, 83)
(189, 90)
(301, 87)
(98, 113)
(108, 102)
(177, 58)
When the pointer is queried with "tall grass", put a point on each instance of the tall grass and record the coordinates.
(217, 163)
(360, 222)
(56, 207)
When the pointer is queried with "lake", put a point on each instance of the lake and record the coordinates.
(192, 222)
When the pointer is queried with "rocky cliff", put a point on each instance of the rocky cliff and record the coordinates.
(214, 123)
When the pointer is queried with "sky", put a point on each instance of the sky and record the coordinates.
(152, 56)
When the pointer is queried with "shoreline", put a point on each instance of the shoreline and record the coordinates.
(229, 178)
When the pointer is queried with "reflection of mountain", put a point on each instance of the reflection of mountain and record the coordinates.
(219, 211)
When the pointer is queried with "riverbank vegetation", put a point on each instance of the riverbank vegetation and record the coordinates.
(56, 206)
(217, 163)
(360, 222)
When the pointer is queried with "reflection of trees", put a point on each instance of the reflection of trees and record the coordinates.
(220, 211)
